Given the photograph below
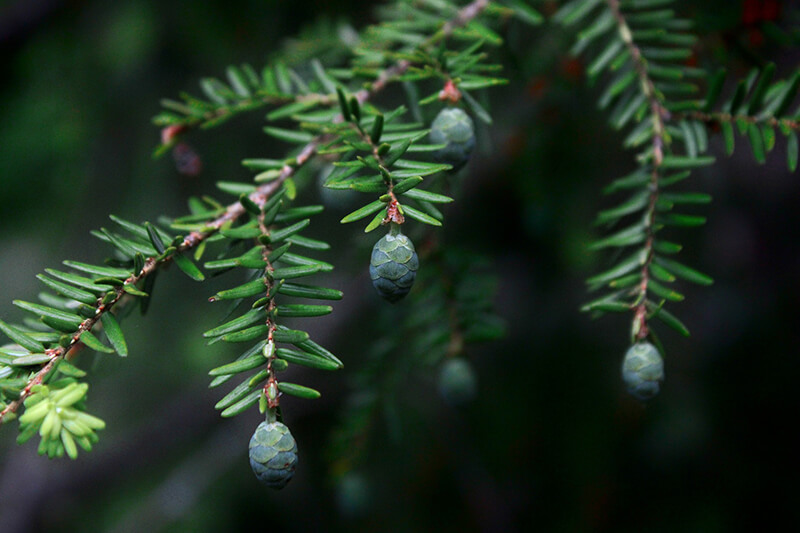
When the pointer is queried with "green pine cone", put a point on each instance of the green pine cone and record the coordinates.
(393, 266)
(273, 454)
(454, 128)
(643, 370)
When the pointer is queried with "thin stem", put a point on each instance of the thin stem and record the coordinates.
(721, 117)
(464, 16)
(270, 308)
(658, 115)
(393, 213)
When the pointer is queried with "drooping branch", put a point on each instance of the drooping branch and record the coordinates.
(658, 115)
(104, 305)
(247, 93)
(232, 213)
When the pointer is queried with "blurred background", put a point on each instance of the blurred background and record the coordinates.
(551, 443)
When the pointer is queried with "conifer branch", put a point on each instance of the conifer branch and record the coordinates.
(386, 76)
(143, 249)
(250, 103)
(235, 210)
(720, 117)
(269, 351)
(104, 305)
(151, 264)
(660, 140)
(247, 92)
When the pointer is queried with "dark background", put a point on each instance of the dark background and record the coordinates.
(552, 443)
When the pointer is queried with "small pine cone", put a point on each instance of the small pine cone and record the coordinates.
(393, 266)
(273, 454)
(457, 381)
(643, 370)
(454, 128)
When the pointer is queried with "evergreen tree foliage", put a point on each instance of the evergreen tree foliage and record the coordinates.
(395, 117)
